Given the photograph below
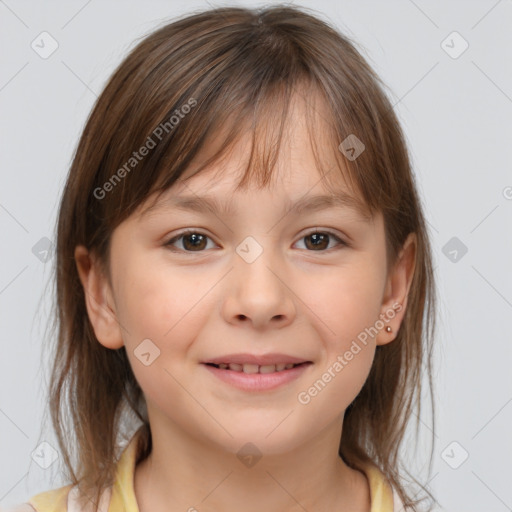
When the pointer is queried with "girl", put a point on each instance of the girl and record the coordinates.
(244, 278)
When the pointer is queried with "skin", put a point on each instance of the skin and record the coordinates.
(293, 299)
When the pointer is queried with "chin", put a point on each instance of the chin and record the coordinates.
(260, 438)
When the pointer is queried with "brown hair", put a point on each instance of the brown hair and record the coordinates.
(231, 66)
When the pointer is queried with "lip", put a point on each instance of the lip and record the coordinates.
(258, 382)
(260, 360)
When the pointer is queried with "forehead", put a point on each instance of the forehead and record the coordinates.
(295, 189)
(306, 163)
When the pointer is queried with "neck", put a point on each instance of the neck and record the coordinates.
(182, 473)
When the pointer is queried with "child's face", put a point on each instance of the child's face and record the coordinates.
(254, 283)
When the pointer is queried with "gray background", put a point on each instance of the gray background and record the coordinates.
(456, 113)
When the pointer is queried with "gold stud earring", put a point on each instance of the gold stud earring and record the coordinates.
(388, 329)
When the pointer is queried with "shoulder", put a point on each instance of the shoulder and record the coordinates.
(23, 507)
(48, 501)
(384, 496)
(63, 499)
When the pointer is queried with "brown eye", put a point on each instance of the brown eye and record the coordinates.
(319, 240)
(195, 241)
(192, 241)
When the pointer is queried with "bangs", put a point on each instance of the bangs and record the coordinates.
(266, 122)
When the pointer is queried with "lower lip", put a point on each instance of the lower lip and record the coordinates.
(258, 381)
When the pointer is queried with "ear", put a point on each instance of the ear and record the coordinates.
(98, 299)
(398, 283)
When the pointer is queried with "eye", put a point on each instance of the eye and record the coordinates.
(319, 240)
(192, 241)
(195, 241)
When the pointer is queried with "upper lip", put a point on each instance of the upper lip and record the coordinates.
(265, 359)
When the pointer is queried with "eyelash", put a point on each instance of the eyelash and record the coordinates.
(341, 243)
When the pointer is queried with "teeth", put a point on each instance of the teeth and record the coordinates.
(250, 368)
(254, 368)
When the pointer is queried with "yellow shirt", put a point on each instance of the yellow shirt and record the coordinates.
(121, 496)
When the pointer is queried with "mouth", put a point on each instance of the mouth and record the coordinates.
(249, 372)
(250, 368)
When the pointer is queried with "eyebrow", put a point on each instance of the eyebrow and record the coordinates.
(308, 203)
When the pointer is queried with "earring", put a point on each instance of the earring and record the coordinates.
(388, 329)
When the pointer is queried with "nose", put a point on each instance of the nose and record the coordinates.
(259, 295)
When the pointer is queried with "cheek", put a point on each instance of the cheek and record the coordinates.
(159, 304)
(342, 373)
(347, 301)
(348, 306)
